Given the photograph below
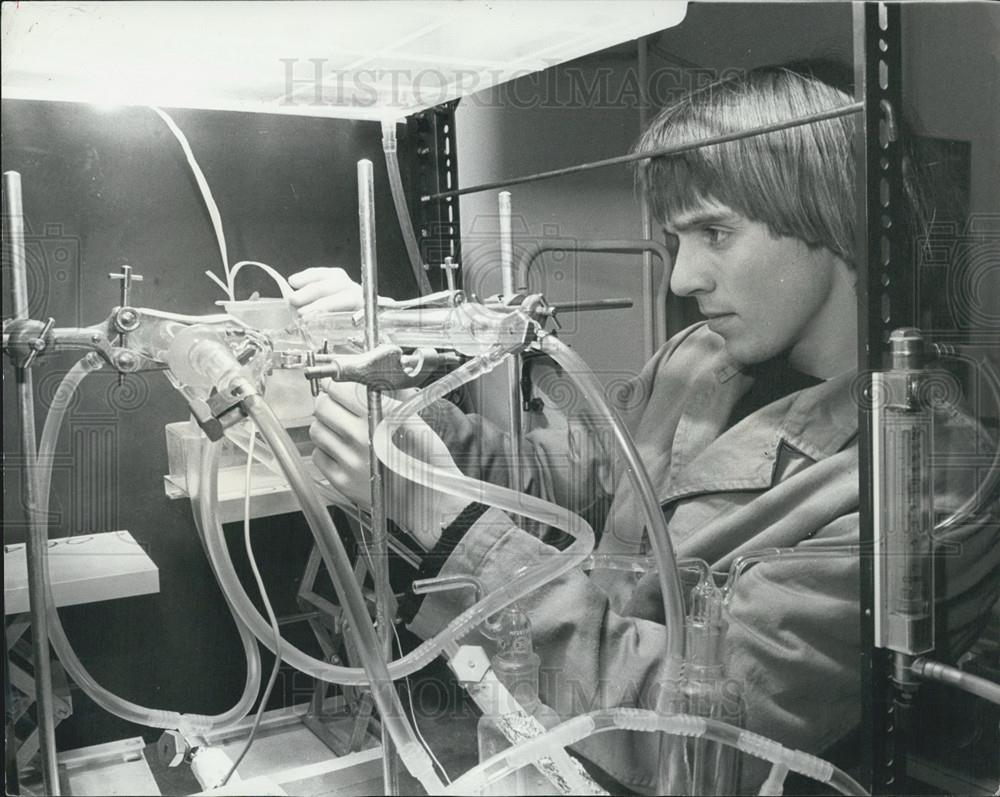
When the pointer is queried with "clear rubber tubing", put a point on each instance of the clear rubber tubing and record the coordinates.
(369, 646)
(470, 489)
(583, 726)
(440, 479)
(656, 524)
(389, 148)
(516, 503)
(125, 709)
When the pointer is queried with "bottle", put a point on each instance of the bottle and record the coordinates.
(516, 667)
(714, 768)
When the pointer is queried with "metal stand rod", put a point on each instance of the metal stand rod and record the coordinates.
(36, 547)
(506, 245)
(11, 783)
(380, 531)
(514, 363)
(648, 329)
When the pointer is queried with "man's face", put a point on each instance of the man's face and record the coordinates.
(763, 295)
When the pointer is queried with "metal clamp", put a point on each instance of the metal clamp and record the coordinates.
(470, 665)
(222, 409)
(449, 266)
(35, 344)
(127, 278)
(126, 319)
(385, 367)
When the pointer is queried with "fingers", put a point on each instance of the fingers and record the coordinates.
(343, 481)
(341, 449)
(332, 286)
(326, 290)
(347, 300)
(344, 421)
(302, 278)
(349, 395)
(312, 291)
(354, 397)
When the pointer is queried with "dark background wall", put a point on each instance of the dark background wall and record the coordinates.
(103, 188)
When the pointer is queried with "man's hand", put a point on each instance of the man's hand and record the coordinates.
(340, 433)
(320, 290)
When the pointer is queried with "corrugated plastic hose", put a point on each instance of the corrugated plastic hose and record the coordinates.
(632, 719)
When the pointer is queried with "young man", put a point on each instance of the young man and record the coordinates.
(747, 426)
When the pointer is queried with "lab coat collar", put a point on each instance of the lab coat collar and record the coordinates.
(816, 422)
(824, 418)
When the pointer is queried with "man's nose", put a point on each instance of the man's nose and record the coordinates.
(689, 276)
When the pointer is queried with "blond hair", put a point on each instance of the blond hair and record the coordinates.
(798, 181)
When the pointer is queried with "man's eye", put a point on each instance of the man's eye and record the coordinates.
(716, 235)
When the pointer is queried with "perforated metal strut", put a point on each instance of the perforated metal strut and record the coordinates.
(885, 291)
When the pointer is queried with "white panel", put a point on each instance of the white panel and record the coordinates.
(348, 59)
(85, 568)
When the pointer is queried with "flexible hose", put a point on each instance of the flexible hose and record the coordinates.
(585, 725)
(521, 504)
(206, 196)
(61, 402)
(470, 489)
(402, 211)
(966, 681)
(369, 647)
(457, 484)
(266, 600)
(273, 273)
(127, 710)
(656, 524)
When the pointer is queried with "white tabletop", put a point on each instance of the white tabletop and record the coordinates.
(85, 568)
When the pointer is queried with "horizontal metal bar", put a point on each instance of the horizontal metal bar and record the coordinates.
(832, 113)
(592, 304)
(652, 307)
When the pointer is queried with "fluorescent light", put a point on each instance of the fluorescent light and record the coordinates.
(368, 60)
